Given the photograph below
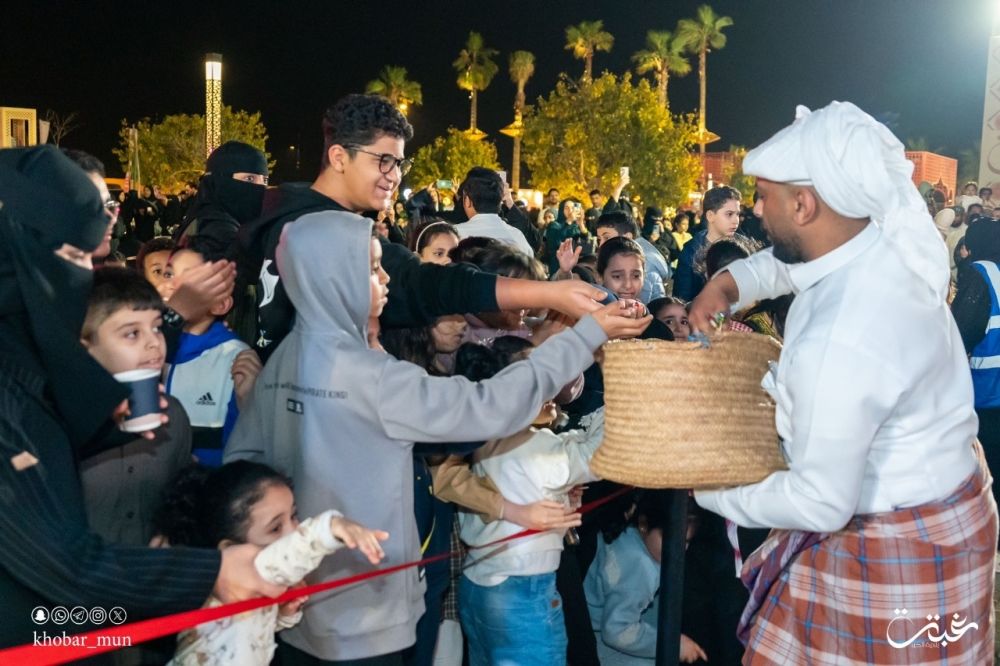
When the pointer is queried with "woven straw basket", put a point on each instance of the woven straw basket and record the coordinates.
(679, 415)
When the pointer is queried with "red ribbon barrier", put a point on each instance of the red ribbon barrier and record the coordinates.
(91, 643)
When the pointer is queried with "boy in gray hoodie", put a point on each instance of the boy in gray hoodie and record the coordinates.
(341, 418)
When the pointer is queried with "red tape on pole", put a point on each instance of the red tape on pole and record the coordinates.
(95, 642)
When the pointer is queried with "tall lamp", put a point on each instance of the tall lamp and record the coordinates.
(213, 102)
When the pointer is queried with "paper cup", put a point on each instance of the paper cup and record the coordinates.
(144, 402)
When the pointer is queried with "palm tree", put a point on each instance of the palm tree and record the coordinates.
(700, 35)
(522, 67)
(664, 55)
(475, 71)
(393, 85)
(585, 39)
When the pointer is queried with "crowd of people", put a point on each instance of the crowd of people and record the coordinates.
(353, 378)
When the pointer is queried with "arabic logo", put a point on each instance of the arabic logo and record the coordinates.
(957, 628)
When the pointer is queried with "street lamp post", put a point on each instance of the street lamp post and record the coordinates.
(213, 102)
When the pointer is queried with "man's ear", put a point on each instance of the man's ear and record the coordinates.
(806, 205)
(338, 157)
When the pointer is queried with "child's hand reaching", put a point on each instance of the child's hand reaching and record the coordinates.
(567, 256)
(541, 515)
(618, 319)
(360, 537)
(691, 651)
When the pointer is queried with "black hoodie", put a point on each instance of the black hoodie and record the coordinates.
(419, 293)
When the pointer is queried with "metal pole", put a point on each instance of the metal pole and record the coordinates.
(668, 635)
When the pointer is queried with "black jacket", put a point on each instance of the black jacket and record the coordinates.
(48, 557)
(419, 293)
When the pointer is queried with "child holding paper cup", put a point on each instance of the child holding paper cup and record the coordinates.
(121, 331)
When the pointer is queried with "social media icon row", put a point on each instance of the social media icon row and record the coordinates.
(78, 615)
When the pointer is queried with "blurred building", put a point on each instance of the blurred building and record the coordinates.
(18, 127)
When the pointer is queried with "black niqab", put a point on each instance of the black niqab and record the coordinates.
(45, 201)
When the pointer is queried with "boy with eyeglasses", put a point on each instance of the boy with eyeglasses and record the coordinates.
(363, 163)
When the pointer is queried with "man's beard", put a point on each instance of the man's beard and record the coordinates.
(786, 250)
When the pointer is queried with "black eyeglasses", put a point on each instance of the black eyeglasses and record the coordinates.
(112, 206)
(386, 161)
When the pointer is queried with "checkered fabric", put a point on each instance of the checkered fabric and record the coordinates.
(911, 586)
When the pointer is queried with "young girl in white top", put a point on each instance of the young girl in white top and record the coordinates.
(509, 606)
(247, 502)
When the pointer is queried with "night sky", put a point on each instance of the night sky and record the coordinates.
(919, 63)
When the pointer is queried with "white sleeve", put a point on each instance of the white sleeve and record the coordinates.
(831, 433)
(288, 560)
(759, 276)
(568, 460)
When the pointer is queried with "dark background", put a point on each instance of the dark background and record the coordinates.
(919, 64)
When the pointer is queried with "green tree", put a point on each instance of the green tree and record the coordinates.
(450, 157)
(732, 175)
(475, 69)
(522, 67)
(663, 55)
(393, 85)
(584, 39)
(172, 151)
(579, 137)
(701, 35)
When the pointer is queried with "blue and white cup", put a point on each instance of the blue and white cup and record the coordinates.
(144, 401)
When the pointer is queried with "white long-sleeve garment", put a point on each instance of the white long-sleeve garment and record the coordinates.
(873, 391)
(247, 639)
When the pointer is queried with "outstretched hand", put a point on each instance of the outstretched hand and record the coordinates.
(574, 298)
(717, 295)
(619, 319)
(568, 256)
(541, 515)
(354, 535)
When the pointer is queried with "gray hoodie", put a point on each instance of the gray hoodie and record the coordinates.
(341, 419)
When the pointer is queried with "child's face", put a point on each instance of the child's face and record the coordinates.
(436, 251)
(273, 516)
(604, 234)
(128, 340)
(447, 334)
(624, 275)
(180, 262)
(676, 319)
(682, 225)
(155, 266)
(377, 281)
(725, 221)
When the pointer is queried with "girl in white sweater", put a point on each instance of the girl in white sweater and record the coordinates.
(509, 606)
(247, 502)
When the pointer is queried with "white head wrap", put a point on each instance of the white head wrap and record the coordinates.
(943, 220)
(860, 170)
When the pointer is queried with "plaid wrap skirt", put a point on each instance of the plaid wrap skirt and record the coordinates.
(911, 586)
